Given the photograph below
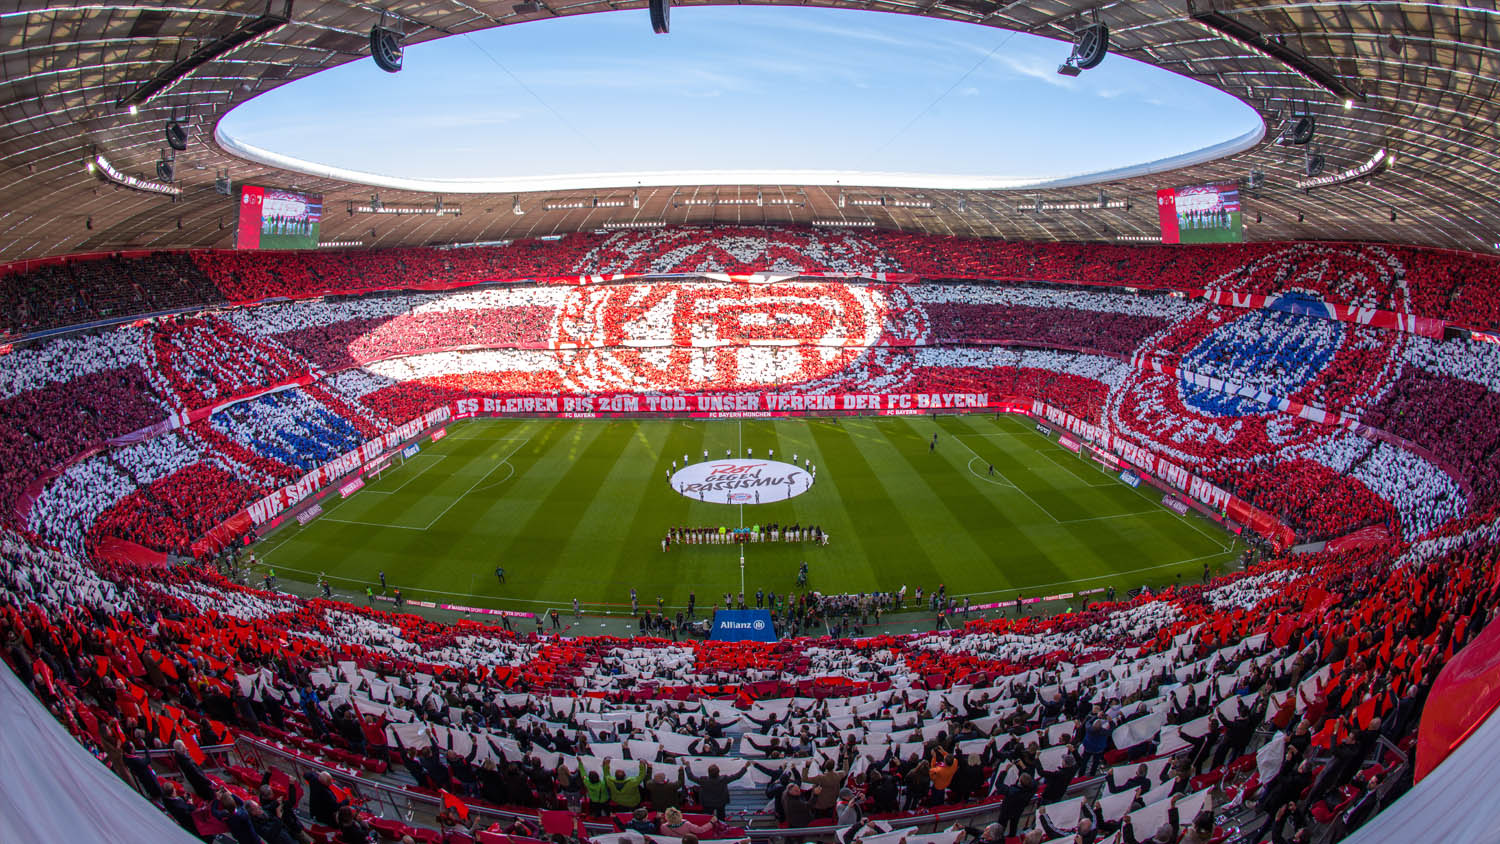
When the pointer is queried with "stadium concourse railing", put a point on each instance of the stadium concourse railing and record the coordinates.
(395, 801)
(1181, 489)
(399, 802)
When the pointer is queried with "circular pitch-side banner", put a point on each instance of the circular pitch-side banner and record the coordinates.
(741, 481)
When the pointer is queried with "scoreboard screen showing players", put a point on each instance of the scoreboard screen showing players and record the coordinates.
(271, 218)
(1200, 214)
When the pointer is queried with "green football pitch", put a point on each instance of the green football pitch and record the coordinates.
(579, 508)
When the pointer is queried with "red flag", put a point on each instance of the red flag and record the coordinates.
(1282, 635)
(458, 806)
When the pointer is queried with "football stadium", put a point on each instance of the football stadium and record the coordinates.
(965, 422)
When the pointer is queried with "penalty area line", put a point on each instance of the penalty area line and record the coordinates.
(1002, 482)
(367, 524)
(504, 461)
(420, 473)
(1034, 502)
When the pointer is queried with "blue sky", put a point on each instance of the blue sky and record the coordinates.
(739, 88)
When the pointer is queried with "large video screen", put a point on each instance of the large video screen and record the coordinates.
(271, 218)
(1200, 214)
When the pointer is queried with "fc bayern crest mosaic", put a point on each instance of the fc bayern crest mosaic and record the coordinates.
(726, 336)
(1275, 351)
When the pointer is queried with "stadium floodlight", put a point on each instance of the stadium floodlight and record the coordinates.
(177, 137)
(385, 47)
(1299, 130)
(661, 16)
(1090, 46)
(515, 206)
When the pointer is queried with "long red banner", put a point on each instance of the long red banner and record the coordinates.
(1154, 465)
(1392, 320)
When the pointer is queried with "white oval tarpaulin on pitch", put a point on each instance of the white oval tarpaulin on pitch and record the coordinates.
(741, 481)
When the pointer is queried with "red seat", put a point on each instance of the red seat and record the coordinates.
(390, 829)
(556, 821)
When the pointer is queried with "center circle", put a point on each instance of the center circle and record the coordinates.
(741, 481)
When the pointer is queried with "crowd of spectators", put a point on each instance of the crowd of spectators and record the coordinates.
(76, 291)
(1454, 286)
(253, 276)
(290, 426)
(1331, 655)
(1163, 695)
(206, 360)
(173, 512)
(1110, 324)
(1442, 401)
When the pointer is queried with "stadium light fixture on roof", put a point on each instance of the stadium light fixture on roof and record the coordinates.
(634, 224)
(108, 171)
(340, 244)
(411, 210)
(1138, 238)
(1377, 162)
(845, 224)
(1094, 205)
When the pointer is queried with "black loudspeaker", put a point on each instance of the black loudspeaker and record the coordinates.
(385, 49)
(165, 170)
(1091, 47)
(1314, 164)
(176, 135)
(1301, 130)
(661, 16)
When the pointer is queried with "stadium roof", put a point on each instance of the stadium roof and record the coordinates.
(1408, 90)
